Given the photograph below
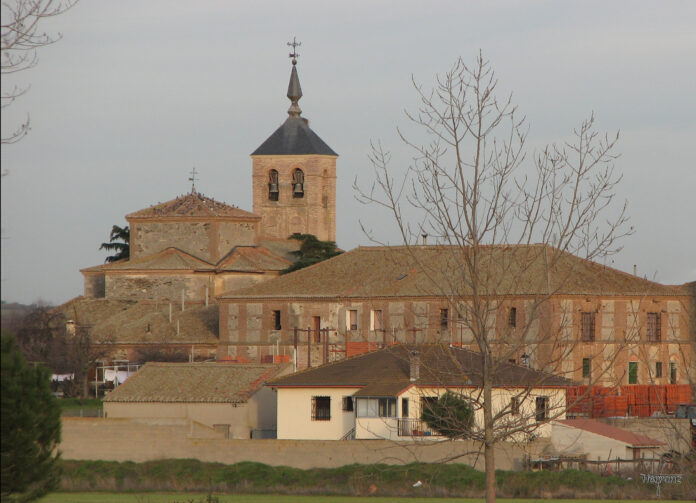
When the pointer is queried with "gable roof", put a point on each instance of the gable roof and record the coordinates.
(252, 259)
(369, 272)
(294, 137)
(609, 431)
(386, 372)
(168, 259)
(194, 383)
(192, 204)
(112, 321)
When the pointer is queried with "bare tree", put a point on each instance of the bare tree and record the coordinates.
(20, 38)
(471, 190)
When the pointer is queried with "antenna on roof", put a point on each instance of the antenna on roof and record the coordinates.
(192, 179)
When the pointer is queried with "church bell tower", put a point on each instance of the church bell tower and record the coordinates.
(294, 175)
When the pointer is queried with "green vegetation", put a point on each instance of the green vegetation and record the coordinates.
(119, 243)
(30, 428)
(270, 498)
(311, 251)
(451, 415)
(450, 480)
(80, 403)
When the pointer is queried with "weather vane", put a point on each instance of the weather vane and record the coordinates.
(294, 54)
(193, 180)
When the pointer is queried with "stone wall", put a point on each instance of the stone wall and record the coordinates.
(159, 286)
(95, 285)
(209, 241)
(129, 440)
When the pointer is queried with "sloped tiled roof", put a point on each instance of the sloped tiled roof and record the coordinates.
(423, 271)
(194, 383)
(192, 204)
(128, 321)
(294, 137)
(385, 372)
(167, 259)
(252, 259)
(609, 431)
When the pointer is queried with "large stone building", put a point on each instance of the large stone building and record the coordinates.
(547, 308)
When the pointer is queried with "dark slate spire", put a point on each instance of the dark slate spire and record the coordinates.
(294, 137)
(294, 92)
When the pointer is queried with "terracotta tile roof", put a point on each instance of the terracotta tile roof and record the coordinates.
(368, 272)
(252, 259)
(193, 204)
(194, 382)
(385, 372)
(606, 430)
(128, 321)
(167, 259)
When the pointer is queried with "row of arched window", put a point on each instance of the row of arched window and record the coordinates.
(274, 185)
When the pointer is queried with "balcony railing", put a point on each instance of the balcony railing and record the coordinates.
(411, 427)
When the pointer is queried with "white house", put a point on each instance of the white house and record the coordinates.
(381, 394)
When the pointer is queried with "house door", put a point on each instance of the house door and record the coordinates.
(316, 326)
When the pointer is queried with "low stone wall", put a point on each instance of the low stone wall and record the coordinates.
(129, 440)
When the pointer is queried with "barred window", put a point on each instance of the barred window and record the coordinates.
(444, 318)
(658, 369)
(586, 367)
(321, 408)
(515, 406)
(512, 317)
(653, 328)
(542, 408)
(587, 327)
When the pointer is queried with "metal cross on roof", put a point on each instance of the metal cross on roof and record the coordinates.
(192, 179)
(294, 54)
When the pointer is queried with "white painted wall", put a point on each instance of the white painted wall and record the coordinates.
(295, 414)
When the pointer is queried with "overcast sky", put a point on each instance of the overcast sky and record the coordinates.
(137, 93)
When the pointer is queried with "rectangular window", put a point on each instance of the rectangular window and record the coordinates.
(512, 317)
(673, 373)
(404, 407)
(586, 367)
(542, 408)
(376, 407)
(658, 369)
(587, 327)
(444, 318)
(376, 320)
(321, 408)
(347, 404)
(352, 319)
(515, 406)
(276, 320)
(653, 327)
(632, 372)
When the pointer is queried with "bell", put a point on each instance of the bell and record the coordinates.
(298, 188)
(273, 187)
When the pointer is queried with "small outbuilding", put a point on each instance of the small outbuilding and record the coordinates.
(227, 397)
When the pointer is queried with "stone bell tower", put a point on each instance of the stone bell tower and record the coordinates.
(294, 176)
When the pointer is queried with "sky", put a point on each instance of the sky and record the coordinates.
(138, 93)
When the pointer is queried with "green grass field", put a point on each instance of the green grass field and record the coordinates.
(158, 497)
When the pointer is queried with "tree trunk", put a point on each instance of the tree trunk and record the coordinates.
(489, 438)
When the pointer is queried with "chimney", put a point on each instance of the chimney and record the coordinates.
(414, 367)
(635, 270)
(425, 239)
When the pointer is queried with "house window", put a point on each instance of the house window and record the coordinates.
(586, 367)
(321, 408)
(273, 185)
(276, 320)
(404, 407)
(632, 372)
(347, 404)
(587, 327)
(376, 320)
(673, 373)
(512, 317)
(376, 407)
(297, 183)
(444, 318)
(352, 319)
(515, 406)
(653, 328)
(542, 408)
(658, 369)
